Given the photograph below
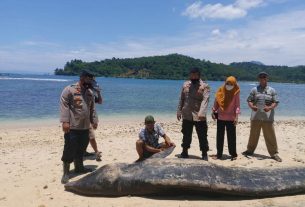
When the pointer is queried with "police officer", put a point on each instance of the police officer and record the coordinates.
(77, 112)
(192, 109)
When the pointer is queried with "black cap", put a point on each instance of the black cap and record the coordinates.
(261, 74)
(86, 73)
(194, 70)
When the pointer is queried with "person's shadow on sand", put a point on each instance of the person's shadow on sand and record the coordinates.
(74, 174)
(257, 156)
(190, 157)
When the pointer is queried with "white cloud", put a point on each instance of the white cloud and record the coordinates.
(277, 40)
(216, 32)
(38, 43)
(248, 4)
(218, 11)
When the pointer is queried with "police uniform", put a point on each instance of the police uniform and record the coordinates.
(193, 104)
(77, 107)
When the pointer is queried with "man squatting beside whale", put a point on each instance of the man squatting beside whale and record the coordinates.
(148, 142)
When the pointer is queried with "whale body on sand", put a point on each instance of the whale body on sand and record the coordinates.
(159, 176)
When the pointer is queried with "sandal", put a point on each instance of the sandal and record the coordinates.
(98, 156)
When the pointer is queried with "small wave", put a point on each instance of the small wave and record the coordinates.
(35, 79)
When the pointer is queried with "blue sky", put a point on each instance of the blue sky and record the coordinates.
(39, 36)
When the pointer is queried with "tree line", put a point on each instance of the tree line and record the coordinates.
(176, 66)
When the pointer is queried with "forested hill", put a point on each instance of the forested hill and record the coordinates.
(175, 66)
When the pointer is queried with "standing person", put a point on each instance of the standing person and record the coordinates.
(98, 100)
(192, 108)
(148, 142)
(226, 109)
(77, 112)
(263, 100)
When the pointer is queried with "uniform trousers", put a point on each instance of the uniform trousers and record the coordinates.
(76, 142)
(201, 129)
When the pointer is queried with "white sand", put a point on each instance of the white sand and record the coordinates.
(31, 168)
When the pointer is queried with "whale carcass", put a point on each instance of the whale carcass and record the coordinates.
(161, 176)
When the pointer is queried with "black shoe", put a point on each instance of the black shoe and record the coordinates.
(65, 178)
(233, 158)
(184, 154)
(205, 156)
(247, 153)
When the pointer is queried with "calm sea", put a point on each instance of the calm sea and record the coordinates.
(30, 97)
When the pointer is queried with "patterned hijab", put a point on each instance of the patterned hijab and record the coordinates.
(223, 96)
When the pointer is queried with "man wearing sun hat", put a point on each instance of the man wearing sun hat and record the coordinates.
(263, 100)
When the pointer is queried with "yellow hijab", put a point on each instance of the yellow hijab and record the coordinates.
(223, 96)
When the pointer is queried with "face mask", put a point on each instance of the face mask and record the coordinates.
(194, 81)
(229, 87)
(87, 84)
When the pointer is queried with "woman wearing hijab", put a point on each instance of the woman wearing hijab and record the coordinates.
(226, 109)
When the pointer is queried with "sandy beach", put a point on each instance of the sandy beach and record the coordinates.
(31, 166)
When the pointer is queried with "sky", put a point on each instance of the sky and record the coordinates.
(38, 36)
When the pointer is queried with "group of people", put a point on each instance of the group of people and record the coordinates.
(193, 107)
(79, 119)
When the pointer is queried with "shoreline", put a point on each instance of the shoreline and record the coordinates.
(126, 118)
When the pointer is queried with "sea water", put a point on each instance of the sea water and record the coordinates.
(32, 97)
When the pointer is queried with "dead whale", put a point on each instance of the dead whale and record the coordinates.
(188, 176)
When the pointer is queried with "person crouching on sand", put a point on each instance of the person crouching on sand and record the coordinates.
(148, 142)
(226, 109)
